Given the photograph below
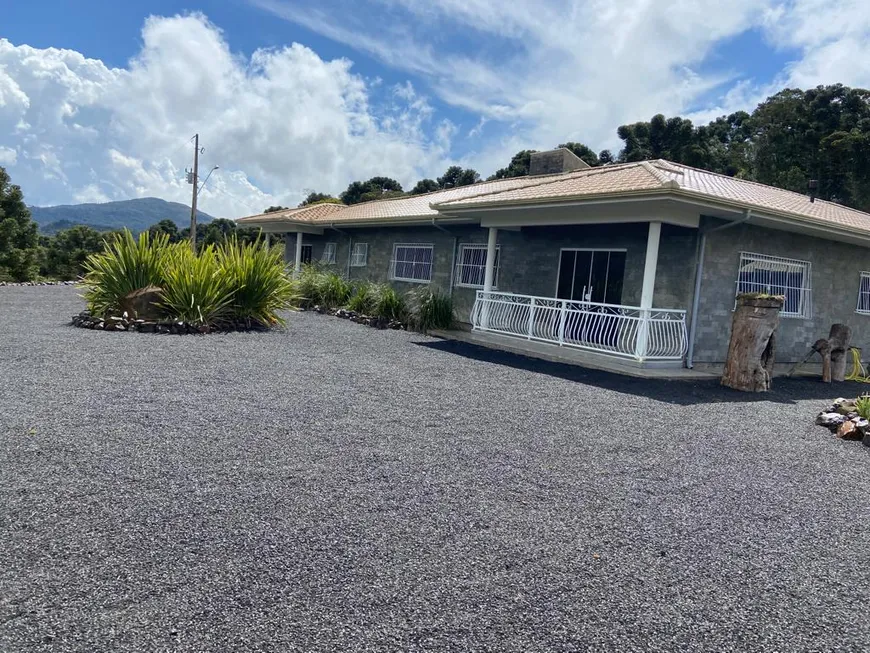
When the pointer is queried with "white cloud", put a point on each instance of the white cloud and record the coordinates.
(551, 70)
(278, 122)
(8, 156)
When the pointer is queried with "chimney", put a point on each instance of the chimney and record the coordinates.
(555, 162)
(813, 186)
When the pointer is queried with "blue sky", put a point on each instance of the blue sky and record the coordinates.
(396, 87)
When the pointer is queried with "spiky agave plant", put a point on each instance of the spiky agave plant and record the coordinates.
(195, 289)
(258, 281)
(126, 264)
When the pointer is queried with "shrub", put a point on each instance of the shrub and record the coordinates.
(333, 290)
(430, 310)
(126, 264)
(388, 304)
(195, 290)
(308, 285)
(258, 281)
(862, 406)
(363, 298)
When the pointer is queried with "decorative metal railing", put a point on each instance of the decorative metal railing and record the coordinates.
(627, 331)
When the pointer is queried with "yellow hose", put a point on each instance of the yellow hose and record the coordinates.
(858, 372)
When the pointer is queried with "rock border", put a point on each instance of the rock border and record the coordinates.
(85, 320)
(360, 318)
(842, 420)
(17, 284)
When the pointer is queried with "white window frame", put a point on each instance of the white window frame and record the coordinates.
(359, 256)
(394, 261)
(480, 267)
(863, 308)
(777, 265)
(329, 250)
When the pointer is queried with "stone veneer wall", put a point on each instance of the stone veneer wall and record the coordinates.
(836, 269)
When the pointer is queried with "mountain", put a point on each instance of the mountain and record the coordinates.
(136, 215)
(60, 225)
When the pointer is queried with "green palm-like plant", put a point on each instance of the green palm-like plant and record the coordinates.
(126, 264)
(195, 289)
(258, 281)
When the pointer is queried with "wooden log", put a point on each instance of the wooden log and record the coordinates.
(824, 348)
(749, 366)
(839, 339)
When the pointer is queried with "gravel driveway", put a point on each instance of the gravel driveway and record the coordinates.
(336, 488)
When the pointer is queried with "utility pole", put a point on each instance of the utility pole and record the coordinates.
(193, 178)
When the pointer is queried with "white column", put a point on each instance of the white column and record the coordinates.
(488, 276)
(298, 265)
(649, 284)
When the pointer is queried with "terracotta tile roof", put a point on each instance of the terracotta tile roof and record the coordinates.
(661, 175)
(644, 177)
(751, 195)
(302, 214)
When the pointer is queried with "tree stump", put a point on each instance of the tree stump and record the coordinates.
(749, 366)
(839, 339)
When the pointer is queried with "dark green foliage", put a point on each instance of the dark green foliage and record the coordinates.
(319, 198)
(333, 290)
(582, 152)
(194, 290)
(430, 310)
(64, 255)
(19, 238)
(373, 189)
(273, 209)
(425, 186)
(456, 176)
(167, 227)
(518, 167)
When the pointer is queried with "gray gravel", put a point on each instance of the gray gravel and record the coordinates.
(336, 488)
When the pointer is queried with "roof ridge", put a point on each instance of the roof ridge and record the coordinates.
(661, 177)
(562, 176)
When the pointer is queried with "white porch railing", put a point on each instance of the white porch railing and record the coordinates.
(626, 331)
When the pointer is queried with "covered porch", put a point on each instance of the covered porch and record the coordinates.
(587, 311)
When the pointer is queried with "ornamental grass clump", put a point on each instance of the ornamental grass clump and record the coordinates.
(333, 290)
(125, 265)
(388, 304)
(363, 298)
(430, 310)
(258, 281)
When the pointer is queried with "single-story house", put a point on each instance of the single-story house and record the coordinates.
(640, 261)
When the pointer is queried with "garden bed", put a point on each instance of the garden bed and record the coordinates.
(361, 318)
(85, 320)
(847, 419)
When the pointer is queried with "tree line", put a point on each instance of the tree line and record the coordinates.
(794, 136)
(26, 255)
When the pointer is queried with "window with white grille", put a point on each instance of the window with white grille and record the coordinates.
(864, 294)
(773, 275)
(471, 266)
(329, 253)
(411, 263)
(359, 255)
